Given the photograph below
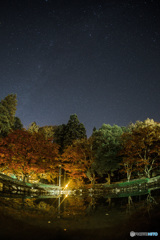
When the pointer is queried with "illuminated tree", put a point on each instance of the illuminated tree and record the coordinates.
(77, 159)
(106, 145)
(141, 147)
(26, 154)
(129, 162)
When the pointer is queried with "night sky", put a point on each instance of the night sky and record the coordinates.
(98, 59)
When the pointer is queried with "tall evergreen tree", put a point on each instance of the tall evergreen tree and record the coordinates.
(10, 103)
(74, 130)
(65, 134)
(7, 113)
(59, 136)
(17, 124)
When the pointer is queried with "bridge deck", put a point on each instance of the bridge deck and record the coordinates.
(11, 182)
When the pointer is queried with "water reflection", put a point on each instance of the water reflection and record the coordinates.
(89, 216)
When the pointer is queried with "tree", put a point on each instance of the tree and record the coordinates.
(106, 145)
(94, 129)
(59, 136)
(128, 162)
(10, 103)
(77, 159)
(25, 154)
(141, 147)
(65, 134)
(17, 124)
(7, 113)
(4, 121)
(74, 130)
(47, 131)
(33, 128)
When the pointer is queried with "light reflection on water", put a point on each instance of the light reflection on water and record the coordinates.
(78, 216)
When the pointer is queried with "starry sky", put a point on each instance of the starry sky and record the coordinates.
(99, 59)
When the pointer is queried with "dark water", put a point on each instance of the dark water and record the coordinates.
(79, 216)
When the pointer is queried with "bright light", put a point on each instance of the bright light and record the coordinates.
(66, 186)
(62, 200)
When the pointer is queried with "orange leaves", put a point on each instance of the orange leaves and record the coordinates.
(76, 159)
(141, 147)
(2, 155)
(28, 153)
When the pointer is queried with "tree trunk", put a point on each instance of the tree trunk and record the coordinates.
(109, 179)
(147, 172)
(128, 175)
(93, 179)
(25, 178)
(64, 178)
(148, 175)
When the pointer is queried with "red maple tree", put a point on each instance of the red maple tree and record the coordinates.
(77, 159)
(25, 154)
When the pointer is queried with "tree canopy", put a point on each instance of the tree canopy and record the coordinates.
(33, 128)
(77, 159)
(106, 145)
(65, 134)
(25, 154)
(17, 124)
(7, 113)
(133, 150)
(141, 148)
(47, 131)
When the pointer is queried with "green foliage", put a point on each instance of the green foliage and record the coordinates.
(74, 130)
(67, 133)
(47, 131)
(33, 128)
(4, 121)
(106, 145)
(17, 124)
(10, 103)
(7, 113)
(59, 136)
(94, 129)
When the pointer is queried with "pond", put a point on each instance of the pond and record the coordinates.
(82, 216)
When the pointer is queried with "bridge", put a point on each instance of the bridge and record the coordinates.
(11, 185)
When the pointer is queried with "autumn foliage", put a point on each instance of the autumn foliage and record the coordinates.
(30, 155)
(77, 159)
(141, 148)
(25, 154)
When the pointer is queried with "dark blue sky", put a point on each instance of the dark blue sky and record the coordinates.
(98, 59)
